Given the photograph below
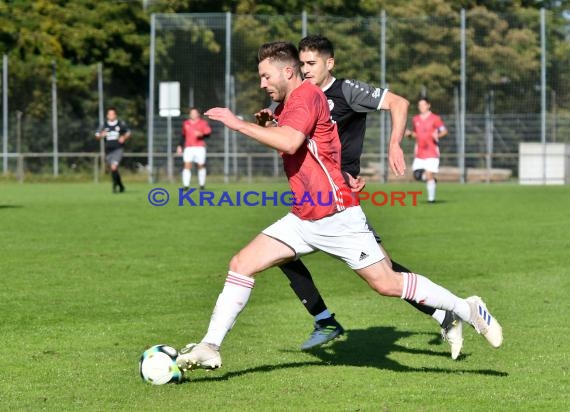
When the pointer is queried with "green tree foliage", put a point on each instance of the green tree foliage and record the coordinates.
(76, 36)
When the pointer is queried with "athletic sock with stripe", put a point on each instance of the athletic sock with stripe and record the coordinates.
(425, 292)
(230, 303)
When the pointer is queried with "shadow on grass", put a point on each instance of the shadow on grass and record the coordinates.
(361, 347)
(11, 206)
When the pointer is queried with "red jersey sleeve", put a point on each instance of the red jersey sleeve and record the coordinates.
(206, 129)
(438, 122)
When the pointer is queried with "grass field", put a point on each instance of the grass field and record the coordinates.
(91, 279)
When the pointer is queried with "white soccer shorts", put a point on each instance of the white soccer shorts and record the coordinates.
(344, 235)
(194, 154)
(431, 164)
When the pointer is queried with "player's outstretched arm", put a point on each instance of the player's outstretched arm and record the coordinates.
(398, 107)
(282, 138)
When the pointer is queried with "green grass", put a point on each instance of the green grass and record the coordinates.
(90, 279)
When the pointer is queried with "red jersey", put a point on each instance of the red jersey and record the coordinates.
(426, 146)
(313, 170)
(190, 129)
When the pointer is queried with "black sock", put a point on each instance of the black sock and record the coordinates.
(302, 284)
(114, 174)
(119, 182)
(448, 320)
(396, 267)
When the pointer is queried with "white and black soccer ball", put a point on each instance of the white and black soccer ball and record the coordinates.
(158, 365)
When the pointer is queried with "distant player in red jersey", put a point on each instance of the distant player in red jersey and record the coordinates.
(428, 129)
(308, 140)
(193, 147)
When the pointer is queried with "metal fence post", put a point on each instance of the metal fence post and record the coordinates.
(101, 114)
(228, 68)
(462, 98)
(543, 90)
(54, 119)
(150, 125)
(5, 112)
(383, 168)
(20, 162)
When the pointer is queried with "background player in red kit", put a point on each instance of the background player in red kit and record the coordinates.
(192, 147)
(428, 129)
(310, 147)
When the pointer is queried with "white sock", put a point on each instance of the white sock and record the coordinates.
(230, 303)
(186, 177)
(325, 314)
(431, 189)
(202, 176)
(423, 291)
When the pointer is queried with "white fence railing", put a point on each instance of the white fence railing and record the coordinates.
(248, 167)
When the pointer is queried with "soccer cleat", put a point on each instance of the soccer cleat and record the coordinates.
(452, 333)
(199, 355)
(484, 323)
(325, 331)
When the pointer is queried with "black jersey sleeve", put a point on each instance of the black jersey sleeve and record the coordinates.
(124, 128)
(361, 96)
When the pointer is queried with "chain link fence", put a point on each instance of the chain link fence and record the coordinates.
(483, 72)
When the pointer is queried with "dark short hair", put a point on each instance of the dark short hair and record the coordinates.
(425, 99)
(111, 108)
(194, 108)
(317, 43)
(279, 51)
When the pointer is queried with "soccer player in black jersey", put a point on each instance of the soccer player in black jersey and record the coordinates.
(116, 133)
(349, 102)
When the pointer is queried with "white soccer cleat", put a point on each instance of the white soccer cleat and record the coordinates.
(453, 335)
(202, 355)
(484, 323)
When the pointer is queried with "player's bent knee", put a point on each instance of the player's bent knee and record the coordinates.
(419, 174)
(235, 264)
(241, 266)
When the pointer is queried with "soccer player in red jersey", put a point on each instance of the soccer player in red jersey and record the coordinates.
(310, 147)
(193, 147)
(428, 129)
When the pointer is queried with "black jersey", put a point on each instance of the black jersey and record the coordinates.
(114, 130)
(349, 102)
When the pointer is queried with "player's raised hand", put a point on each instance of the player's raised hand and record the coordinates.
(225, 115)
(396, 159)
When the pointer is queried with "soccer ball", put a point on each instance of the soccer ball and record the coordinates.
(158, 365)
